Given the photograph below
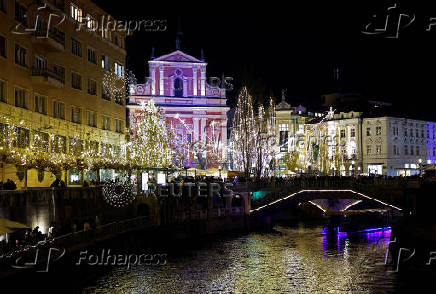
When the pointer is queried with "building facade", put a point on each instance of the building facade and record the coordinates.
(395, 146)
(194, 108)
(60, 77)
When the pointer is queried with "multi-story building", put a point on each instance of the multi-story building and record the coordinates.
(333, 143)
(394, 146)
(61, 76)
(290, 122)
(196, 110)
(431, 142)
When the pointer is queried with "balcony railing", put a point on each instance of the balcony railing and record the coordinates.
(53, 34)
(47, 73)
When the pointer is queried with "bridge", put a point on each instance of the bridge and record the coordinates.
(333, 195)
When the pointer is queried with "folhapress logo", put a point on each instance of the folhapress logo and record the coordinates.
(394, 20)
(390, 24)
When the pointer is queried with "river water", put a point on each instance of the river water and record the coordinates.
(298, 259)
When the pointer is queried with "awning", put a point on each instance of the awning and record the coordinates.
(7, 226)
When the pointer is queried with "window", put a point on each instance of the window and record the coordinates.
(119, 69)
(76, 47)
(411, 132)
(105, 93)
(40, 104)
(3, 93)
(119, 97)
(75, 146)
(22, 137)
(406, 150)
(91, 56)
(59, 71)
(353, 133)
(58, 110)
(405, 132)
(342, 133)
(378, 130)
(2, 46)
(91, 23)
(368, 149)
(189, 138)
(20, 55)
(178, 87)
(368, 131)
(91, 118)
(76, 13)
(92, 146)
(422, 133)
(20, 13)
(411, 150)
(417, 133)
(39, 62)
(434, 151)
(20, 98)
(378, 149)
(118, 126)
(3, 5)
(428, 134)
(395, 130)
(40, 141)
(283, 129)
(59, 144)
(76, 81)
(396, 150)
(418, 152)
(104, 62)
(92, 87)
(104, 122)
(76, 115)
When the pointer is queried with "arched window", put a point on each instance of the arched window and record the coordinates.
(178, 87)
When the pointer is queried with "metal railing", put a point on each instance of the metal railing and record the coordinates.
(48, 73)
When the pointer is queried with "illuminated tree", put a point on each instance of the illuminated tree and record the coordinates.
(150, 143)
(244, 132)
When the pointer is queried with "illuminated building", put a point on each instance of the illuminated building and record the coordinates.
(51, 79)
(194, 108)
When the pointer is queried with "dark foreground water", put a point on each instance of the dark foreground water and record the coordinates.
(293, 260)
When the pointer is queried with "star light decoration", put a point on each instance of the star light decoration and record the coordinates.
(118, 193)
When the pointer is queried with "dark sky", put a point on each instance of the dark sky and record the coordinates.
(297, 46)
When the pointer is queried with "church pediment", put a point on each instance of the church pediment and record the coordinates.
(178, 56)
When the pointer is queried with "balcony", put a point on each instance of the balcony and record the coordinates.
(54, 41)
(48, 78)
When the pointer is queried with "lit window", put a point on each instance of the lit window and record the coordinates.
(76, 13)
(91, 23)
(119, 69)
(105, 62)
(378, 130)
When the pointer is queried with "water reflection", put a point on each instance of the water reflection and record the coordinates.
(295, 260)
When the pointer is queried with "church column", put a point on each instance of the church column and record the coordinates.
(224, 138)
(203, 129)
(194, 83)
(153, 80)
(185, 86)
(196, 128)
(203, 81)
(161, 80)
(171, 86)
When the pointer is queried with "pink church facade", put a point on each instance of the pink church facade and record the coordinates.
(196, 110)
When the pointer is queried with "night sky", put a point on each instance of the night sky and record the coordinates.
(297, 46)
